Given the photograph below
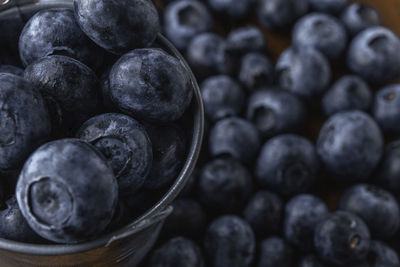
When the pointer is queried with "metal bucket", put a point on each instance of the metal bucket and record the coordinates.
(126, 246)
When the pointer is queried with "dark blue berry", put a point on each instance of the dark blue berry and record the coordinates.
(56, 32)
(235, 137)
(311, 261)
(328, 6)
(177, 252)
(244, 40)
(118, 26)
(386, 109)
(377, 207)
(184, 19)
(232, 9)
(303, 71)
(388, 173)
(302, 214)
(70, 88)
(126, 146)
(373, 54)
(24, 120)
(67, 192)
(275, 111)
(222, 97)
(169, 151)
(225, 185)
(322, 32)
(264, 212)
(150, 84)
(287, 164)
(347, 93)
(274, 251)
(11, 69)
(342, 238)
(350, 144)
(229, 242)
(382, 255)
(357, 17)
(256, 71)
(280, 14)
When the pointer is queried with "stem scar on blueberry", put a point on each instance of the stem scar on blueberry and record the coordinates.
(390, 96)
(355, 241)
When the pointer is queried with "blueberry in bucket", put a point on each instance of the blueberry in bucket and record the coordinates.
(67, 192)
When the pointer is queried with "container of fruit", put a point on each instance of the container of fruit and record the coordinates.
(82, 155)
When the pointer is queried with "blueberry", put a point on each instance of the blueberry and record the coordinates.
(386, 109)
(67, 192)
(256, 71)
(382, 255)
(70, 88)
(342, 238)
(25, 122)
(350, 144)
(229, 242)
(377, 207)
(287, 164)
(56, 32)
(177, 252)
(264, 212)
(206, 54)
(280, 14)
(184, 19)
(274, 251)
(322, 32)
(357, 17)
(232, 9)
(328, 6)
(235, 137)
(11, 69)
(126, 146)
(222, 97)
(311, 261)
(303, 71)
(13, 225)
(118, 26)
(373, 54)
(347, 93)
(275, 111)
(160, 89)
(388, 173)
(225, 185)
(245, 39)
(188, 218)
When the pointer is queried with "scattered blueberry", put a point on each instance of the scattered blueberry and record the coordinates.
(303, 71)
(177, 252)
(342, 239)
(225, 185)
(222, 97)
(388, 173)
(126, 146)
(382, 255)
(118, 26)
(235, 137)
(150, 84)
(347, 93)
(244, 40)
(184, 19)
(24, 121)
(67, 192)
(256, 71)
(56, 32)
(11, 69)
(322, 32)
(310, 261)
(357, 17)
(274, 251)
(373, 54)
(287, 164)
(70, 89)
(275, 111)
(350, 144)
(328, 6)
(280, 14)
(377, 207)
(302, 214)
(229, 242)
(386, 109)
(264, 212)
(232, 9)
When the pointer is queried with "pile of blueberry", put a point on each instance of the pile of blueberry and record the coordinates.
(301, 165)
(79, 153)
